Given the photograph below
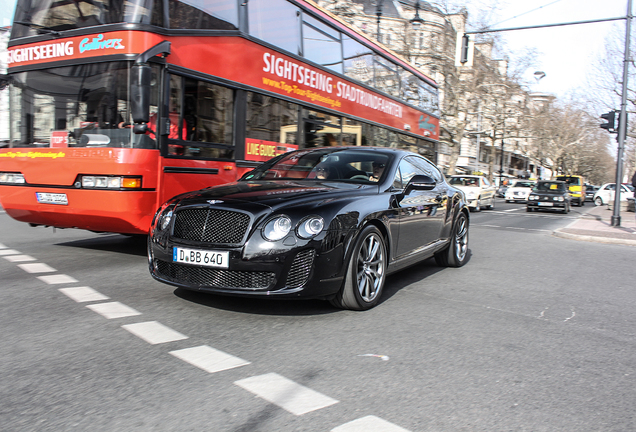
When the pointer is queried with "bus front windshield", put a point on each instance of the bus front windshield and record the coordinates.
(85, 105)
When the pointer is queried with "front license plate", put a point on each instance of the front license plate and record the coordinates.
(201, 257)
(51, 198)
(548, 204)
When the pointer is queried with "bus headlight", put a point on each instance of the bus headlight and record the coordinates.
(108, 182)
(11, 178)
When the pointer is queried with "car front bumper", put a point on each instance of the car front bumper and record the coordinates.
(306, 271)
(546, 205)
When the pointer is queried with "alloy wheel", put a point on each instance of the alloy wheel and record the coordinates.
(370, 267)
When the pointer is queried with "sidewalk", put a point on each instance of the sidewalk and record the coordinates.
(596, 226)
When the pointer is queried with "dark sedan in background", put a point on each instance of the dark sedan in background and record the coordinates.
(327, 223)
(549, 195)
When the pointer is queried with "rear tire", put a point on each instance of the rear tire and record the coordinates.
(598, 201)
(366, 273)
(456, 253)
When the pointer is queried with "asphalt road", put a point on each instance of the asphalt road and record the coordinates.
(535, 333)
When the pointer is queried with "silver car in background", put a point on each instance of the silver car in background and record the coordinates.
(478, 190)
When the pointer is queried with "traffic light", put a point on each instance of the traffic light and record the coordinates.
(464, 50)
(620, 121)
(609, 117)
(463, 56)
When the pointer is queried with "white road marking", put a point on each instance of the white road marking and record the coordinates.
(209, 359)
(19, 258)
(292, 397)
(511, 210)
(83, 294)
(9, 252)
(369, 424)
(2, 246)
(154, 332)
(57, 279)
(113, 310)
(36, 268)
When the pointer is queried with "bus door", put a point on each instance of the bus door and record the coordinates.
(196, 127)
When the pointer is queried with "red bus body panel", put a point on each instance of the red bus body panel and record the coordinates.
(123, 211)
(54, 170)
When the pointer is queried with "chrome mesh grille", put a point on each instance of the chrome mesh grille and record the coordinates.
(214, 278)
(211, 226)
(300, 269)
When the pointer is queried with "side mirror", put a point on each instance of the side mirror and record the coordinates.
(420, 182)
(140, 75)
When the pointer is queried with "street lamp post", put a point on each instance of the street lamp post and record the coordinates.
(502, 163)
(378, 12)
(417, 21)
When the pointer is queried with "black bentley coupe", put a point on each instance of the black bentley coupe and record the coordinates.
(327, 223)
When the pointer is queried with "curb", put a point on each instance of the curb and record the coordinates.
(595, 239)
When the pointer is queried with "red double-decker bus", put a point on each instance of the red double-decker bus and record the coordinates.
(117, 105)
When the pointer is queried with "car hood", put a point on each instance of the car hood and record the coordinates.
(518, 189)
(467, 188)
(548, 193)
(252, 195)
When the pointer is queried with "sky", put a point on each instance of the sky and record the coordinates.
(566, 54)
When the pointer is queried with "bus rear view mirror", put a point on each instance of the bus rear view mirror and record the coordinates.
(140, 93)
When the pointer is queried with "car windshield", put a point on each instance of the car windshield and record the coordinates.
(324, 164)
(630, 187)
(549, 187)
(570, 180)
(464, 181)
(523, 184)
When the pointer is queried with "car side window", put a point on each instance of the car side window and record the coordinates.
(407, 171)
(425, 167)
(397, 180)
(486, 182)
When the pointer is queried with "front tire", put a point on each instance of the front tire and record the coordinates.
(456, 253)
(366, 273)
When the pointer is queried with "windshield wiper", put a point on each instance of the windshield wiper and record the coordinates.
(39, 28)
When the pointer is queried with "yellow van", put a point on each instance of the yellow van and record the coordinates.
(576, 186)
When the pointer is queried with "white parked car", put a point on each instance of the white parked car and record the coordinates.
(605, 194)
(478, 190)
(519, 190)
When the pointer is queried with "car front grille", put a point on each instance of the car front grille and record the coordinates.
(211, 225)
(214, 278)
(300, 269)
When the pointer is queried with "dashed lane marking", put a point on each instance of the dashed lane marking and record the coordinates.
(37, 268)
(113, 310)
(369, 424)
(154, 332)
(83, 294)
(292, 397)
(19, 258)
(4, 251)
(209, 359)
(57, 279)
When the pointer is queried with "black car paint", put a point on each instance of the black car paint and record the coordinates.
(402, 217)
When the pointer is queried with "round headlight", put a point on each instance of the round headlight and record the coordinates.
(310, 227)
(165, 220)
(277, 228)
